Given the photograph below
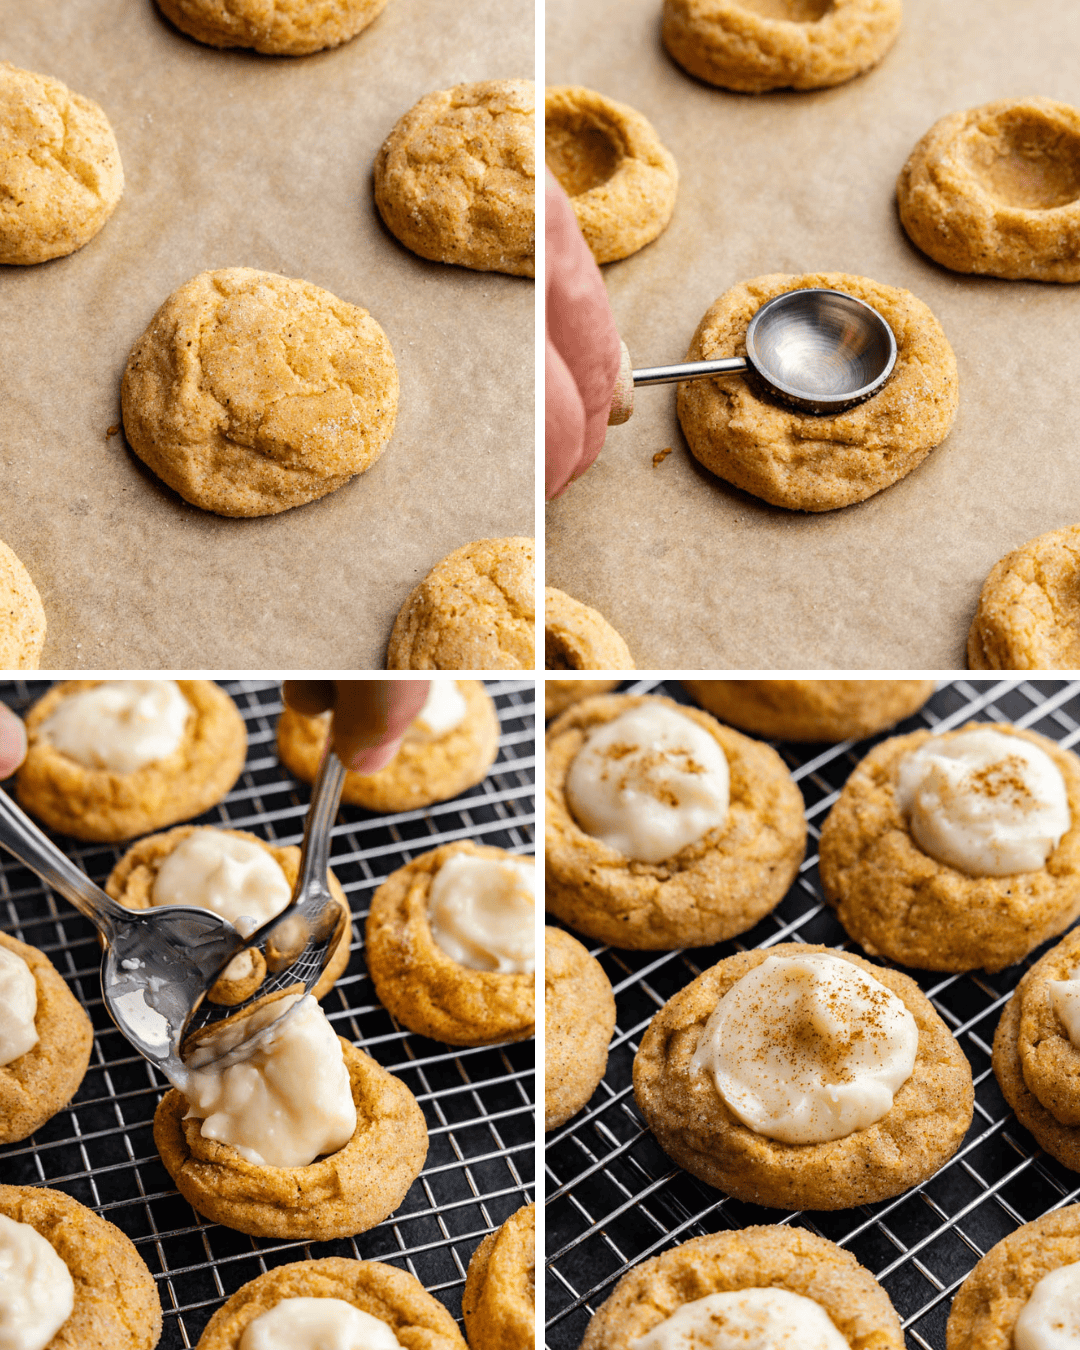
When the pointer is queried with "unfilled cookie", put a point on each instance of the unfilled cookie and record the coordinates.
(579, 638)
(811, 710)
(251, 393)
(455, 179)
(767, 1257)
(579, 1017)
(754, 45)
(499, 1302)
(278, 27)
(1028, 616)
(559, 694)
(996, 190)
(610, 162)
(60, 171)
(22, 617)
(475, 610)
(799, 460)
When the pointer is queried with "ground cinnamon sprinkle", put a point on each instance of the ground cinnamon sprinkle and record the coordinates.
(1005, 778)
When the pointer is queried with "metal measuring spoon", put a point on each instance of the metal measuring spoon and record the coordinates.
(816, 350)
(159, 964)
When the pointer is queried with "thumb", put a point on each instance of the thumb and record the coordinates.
(406, 698)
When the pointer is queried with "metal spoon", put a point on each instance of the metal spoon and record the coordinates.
(817, 350)
(160, 963)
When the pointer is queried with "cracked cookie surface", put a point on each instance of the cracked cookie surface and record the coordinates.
(499, 1301)
(277, 27)
(251, 393)
(579, 1017)
(22, 617)
(577, 637)
(1028, 616)
(811, 710)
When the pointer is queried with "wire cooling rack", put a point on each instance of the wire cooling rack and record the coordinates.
(478, 1103)
(614, 1198)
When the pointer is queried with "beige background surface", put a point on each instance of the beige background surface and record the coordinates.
(694, 573)
(235, 159)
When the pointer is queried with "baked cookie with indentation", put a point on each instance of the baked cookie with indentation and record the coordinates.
(577, 637)
(620, 178)
(559, 694)
(60, 171)
(251, 393)
(797, 459)
(455, 181)
(277, 27)
(579, 1017)
(499, 1301)
(1027, 616)
(996, 190)
(22, 616)
(811, 710)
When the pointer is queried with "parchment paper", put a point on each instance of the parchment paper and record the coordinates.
(696, 574)
(236, 159)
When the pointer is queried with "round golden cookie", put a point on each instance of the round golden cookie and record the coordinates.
(579, 1017)
(897, 901)
(426, 990)
(116, 1299)
(22, 617)
(923, 1128)
(811, 710)
(38, 1084)
(620, 179)
(559, 694)
(106, 807)
(579, 638)
(393, 1296)
(131, 884)
(277, 27)
(455, 179)
(799, 460)
(60, 172)
(338, 1195)
(499, 1302)
(712, 889)
(475, 610)
(427, 768)
(754, 45)
(987, 1304)
(996, 190)
(251, 393)
(1027, 617)
(767, 1257)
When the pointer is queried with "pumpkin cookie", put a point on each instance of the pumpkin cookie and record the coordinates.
(251, 393)
(754, 45)
(620, 179)
(381, 1292)
(475, 610)
(712, 841)
(22, 618)
(822, 1285)
(439, 758)
(60, 172)
(499, 1302)
(449, 945)
(114, 1300)
(811, 710)
(45, 1040)
(280, 28)
(996, 190)
(736, 1076)
(579, 1017)
(559, 694)
(140, 755)
(455, 179)
(926, 857)
(1026, 617)
(578, 638)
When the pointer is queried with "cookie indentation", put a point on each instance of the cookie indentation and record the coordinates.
(1030, 162)
(790, 11)
(581, 155)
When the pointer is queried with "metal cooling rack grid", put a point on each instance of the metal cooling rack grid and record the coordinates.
(615, 1198)
(478, 1103)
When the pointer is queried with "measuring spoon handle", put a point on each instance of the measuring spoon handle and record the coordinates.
(629, 379)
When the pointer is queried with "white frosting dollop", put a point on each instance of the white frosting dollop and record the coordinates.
(1050, 1319)
(317, 1324)
(18, 1006)
(746, 1319)
(808, 1048)
(986, 803)
(37, 1292)
(121, 725)
(281, 1098)
(481, 912)
(1065, 1001)
(233, 877)
(648, 783)
(443, 710)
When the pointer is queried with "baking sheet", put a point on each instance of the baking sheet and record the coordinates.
(236, 159)
(696, 574)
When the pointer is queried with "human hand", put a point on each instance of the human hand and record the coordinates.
(370, 717)
(12, 742)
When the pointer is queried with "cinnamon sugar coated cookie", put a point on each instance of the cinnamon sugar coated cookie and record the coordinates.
(277, 27)
(579, 1017)
(806, 462)
(455, 179)
(610, 162)
(996, 190)
(22, 617)
(811, 710)
(1027, 618)
(559, 694)
(579, 638)
(754, 45)
(475, 610)
(60, 172)
(251, 393)
(499, 1302)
